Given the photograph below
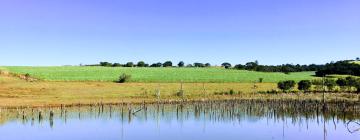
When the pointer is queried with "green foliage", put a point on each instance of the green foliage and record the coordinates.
(129, 64)
(261, 80)
(226, 65)
(116, 65)
(165, 75)
(330, 84)
(181, 64)
(286, 85)
(141, 64)
(105, 64)
(124, 78)
(304, 85)
(167, 64)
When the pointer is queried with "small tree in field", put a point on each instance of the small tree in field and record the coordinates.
(226, 65)
(124, 78)
(350, 82)
(304, 85)
(181, 64)
(167, 64)
(286, 85)
(330, 84)
(141, 64)
(129, 64)
(342, 83)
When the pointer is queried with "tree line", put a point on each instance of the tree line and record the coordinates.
(347, 67)
(159, 64)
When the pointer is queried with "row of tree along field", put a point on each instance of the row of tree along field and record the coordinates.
(347, 67)
(348, 84)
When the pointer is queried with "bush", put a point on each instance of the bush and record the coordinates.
(304, 85)
(261, 80)
(357, 85)
(286, 85)
(342, 83)
(330, 84)
(318, 84)
(124, 78)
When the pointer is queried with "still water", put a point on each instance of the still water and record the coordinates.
(230, 120)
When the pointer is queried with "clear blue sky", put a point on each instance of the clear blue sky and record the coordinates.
(60, 32)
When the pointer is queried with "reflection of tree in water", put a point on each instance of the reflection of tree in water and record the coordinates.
(297, 112)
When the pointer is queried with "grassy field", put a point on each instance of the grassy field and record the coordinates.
(148, 75)
(19, 93)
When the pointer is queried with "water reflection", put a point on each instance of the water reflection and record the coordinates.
(198, 120)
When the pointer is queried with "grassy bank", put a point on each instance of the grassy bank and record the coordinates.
(155, 75)
(19, 93)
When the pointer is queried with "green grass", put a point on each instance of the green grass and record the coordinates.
(77, 73)
(356, 62)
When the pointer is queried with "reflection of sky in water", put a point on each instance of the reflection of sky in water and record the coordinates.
(167, 126)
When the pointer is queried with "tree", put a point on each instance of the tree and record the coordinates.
(207, 65)
(304, 85)
(251, 65)
(330, 84)
(357, 59)
(350, 82)
(199, 65)
(129, 64)
(116, 65)
(286, 85)
(226, 65)
(342, 83)
(141, 64)
(105, 64)
(181, 64)
(167, 64)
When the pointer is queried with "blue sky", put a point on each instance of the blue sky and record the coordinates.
(61, 32)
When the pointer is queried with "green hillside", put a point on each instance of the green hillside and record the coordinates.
(77, 73)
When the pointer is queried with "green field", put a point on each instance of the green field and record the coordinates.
(77, 73)
(357, 62)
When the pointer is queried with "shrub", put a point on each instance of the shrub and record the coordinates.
(318, 84)
(261, 80)
(357, 85)
(342, 83)
(124, 78)
(304, 85)
(330, 84)
(286, 85)
(350, 82)
(180, 93)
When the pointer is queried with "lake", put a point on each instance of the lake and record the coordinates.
(228, 120)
